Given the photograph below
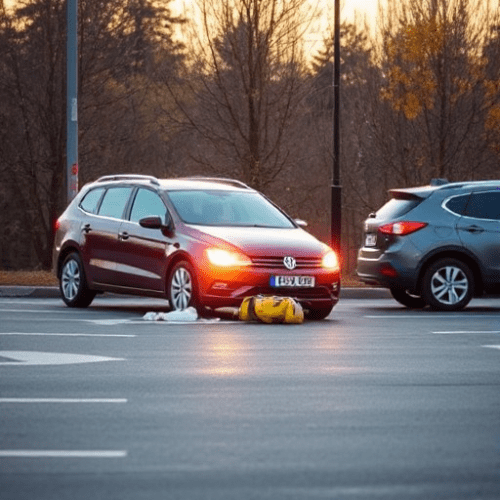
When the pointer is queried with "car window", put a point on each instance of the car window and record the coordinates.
(457, 204)
(227, 208)
(397, 207)
(90, 201)
(114, 202)
(484, 205)
(147, 203)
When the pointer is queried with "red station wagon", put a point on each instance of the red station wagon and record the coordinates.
(202, 242)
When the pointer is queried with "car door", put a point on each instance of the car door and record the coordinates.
(142, 252)
(479, 231)
(100, 240)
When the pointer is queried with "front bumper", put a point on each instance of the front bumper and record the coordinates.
(228, 289)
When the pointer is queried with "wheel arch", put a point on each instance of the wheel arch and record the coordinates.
(458, 254)
(68, 249)
(178, 257)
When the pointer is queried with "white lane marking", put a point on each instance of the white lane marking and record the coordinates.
(27, 358)
(492, 346)
(432, 316)
(460, 332)
(63, 453)
(63, 400)
(107, 322)
(68, 334)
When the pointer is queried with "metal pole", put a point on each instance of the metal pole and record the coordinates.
(72, 100)
(336, 209)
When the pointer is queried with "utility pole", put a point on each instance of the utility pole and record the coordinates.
(72, 100)
(336, 209)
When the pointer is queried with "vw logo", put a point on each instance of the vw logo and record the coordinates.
(289, 262)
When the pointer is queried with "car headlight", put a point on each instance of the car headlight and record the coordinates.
(330, 260)
(224, 258)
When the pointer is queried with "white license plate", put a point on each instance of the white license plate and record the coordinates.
(371, 240)
(283, 281)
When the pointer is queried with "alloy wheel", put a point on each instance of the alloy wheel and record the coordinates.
(181, 289)
(449, 285)
(70, 280)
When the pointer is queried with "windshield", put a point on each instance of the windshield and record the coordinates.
(227, 208)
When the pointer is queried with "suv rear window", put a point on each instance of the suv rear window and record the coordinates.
(397, 207)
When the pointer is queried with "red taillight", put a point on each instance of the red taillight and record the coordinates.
(401, 228)
(388, 270)
(57, 225)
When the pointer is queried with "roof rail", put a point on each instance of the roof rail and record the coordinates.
(129, 177)
(223, 180)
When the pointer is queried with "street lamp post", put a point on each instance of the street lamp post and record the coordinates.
(72, 99)
(336, 208)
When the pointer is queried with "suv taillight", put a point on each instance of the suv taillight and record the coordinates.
(401, 228)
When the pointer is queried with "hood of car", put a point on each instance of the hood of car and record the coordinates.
(265, 241)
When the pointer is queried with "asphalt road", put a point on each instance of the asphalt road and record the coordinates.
(376, 402)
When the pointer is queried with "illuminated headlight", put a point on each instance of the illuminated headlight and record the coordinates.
(330, 261)
(224, 258)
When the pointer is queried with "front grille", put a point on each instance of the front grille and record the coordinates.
(277, 262)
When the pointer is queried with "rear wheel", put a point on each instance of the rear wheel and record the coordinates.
(448, 285)
(182, 288)
(73, 283)
(407, 299)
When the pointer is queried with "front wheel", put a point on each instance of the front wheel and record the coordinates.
(448, 285)
(407, 299)
(73, 284)
(181, 287)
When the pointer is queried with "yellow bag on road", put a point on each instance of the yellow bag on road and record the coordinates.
(271, 309)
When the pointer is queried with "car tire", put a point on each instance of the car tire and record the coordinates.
(406, 299)
(318, 314)
(448, 285)
(182, 289)
(73, 283)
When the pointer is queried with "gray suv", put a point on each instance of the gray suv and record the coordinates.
(436, 245)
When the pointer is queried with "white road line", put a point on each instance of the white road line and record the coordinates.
(33, 358)
(492, 346)
(40, 334)
(63, 400)
(463, 332)
(63, 454)
(433, 316)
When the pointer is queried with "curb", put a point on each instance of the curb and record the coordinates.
(50, 292)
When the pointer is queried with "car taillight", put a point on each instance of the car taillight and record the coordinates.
(57, 225)
(401, 228)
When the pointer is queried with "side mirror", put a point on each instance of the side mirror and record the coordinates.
(156, 222)
(300, 223)
(151, 222)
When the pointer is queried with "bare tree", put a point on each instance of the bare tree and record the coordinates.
(431, 58)
(241, 101)
(122, 49)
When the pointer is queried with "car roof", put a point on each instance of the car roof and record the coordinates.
(445, 187)
(178, 184)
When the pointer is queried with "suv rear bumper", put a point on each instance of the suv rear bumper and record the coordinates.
(387, 273)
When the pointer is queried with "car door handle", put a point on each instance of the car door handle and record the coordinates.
(123, 235)
(473, 229)
(87, 228)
